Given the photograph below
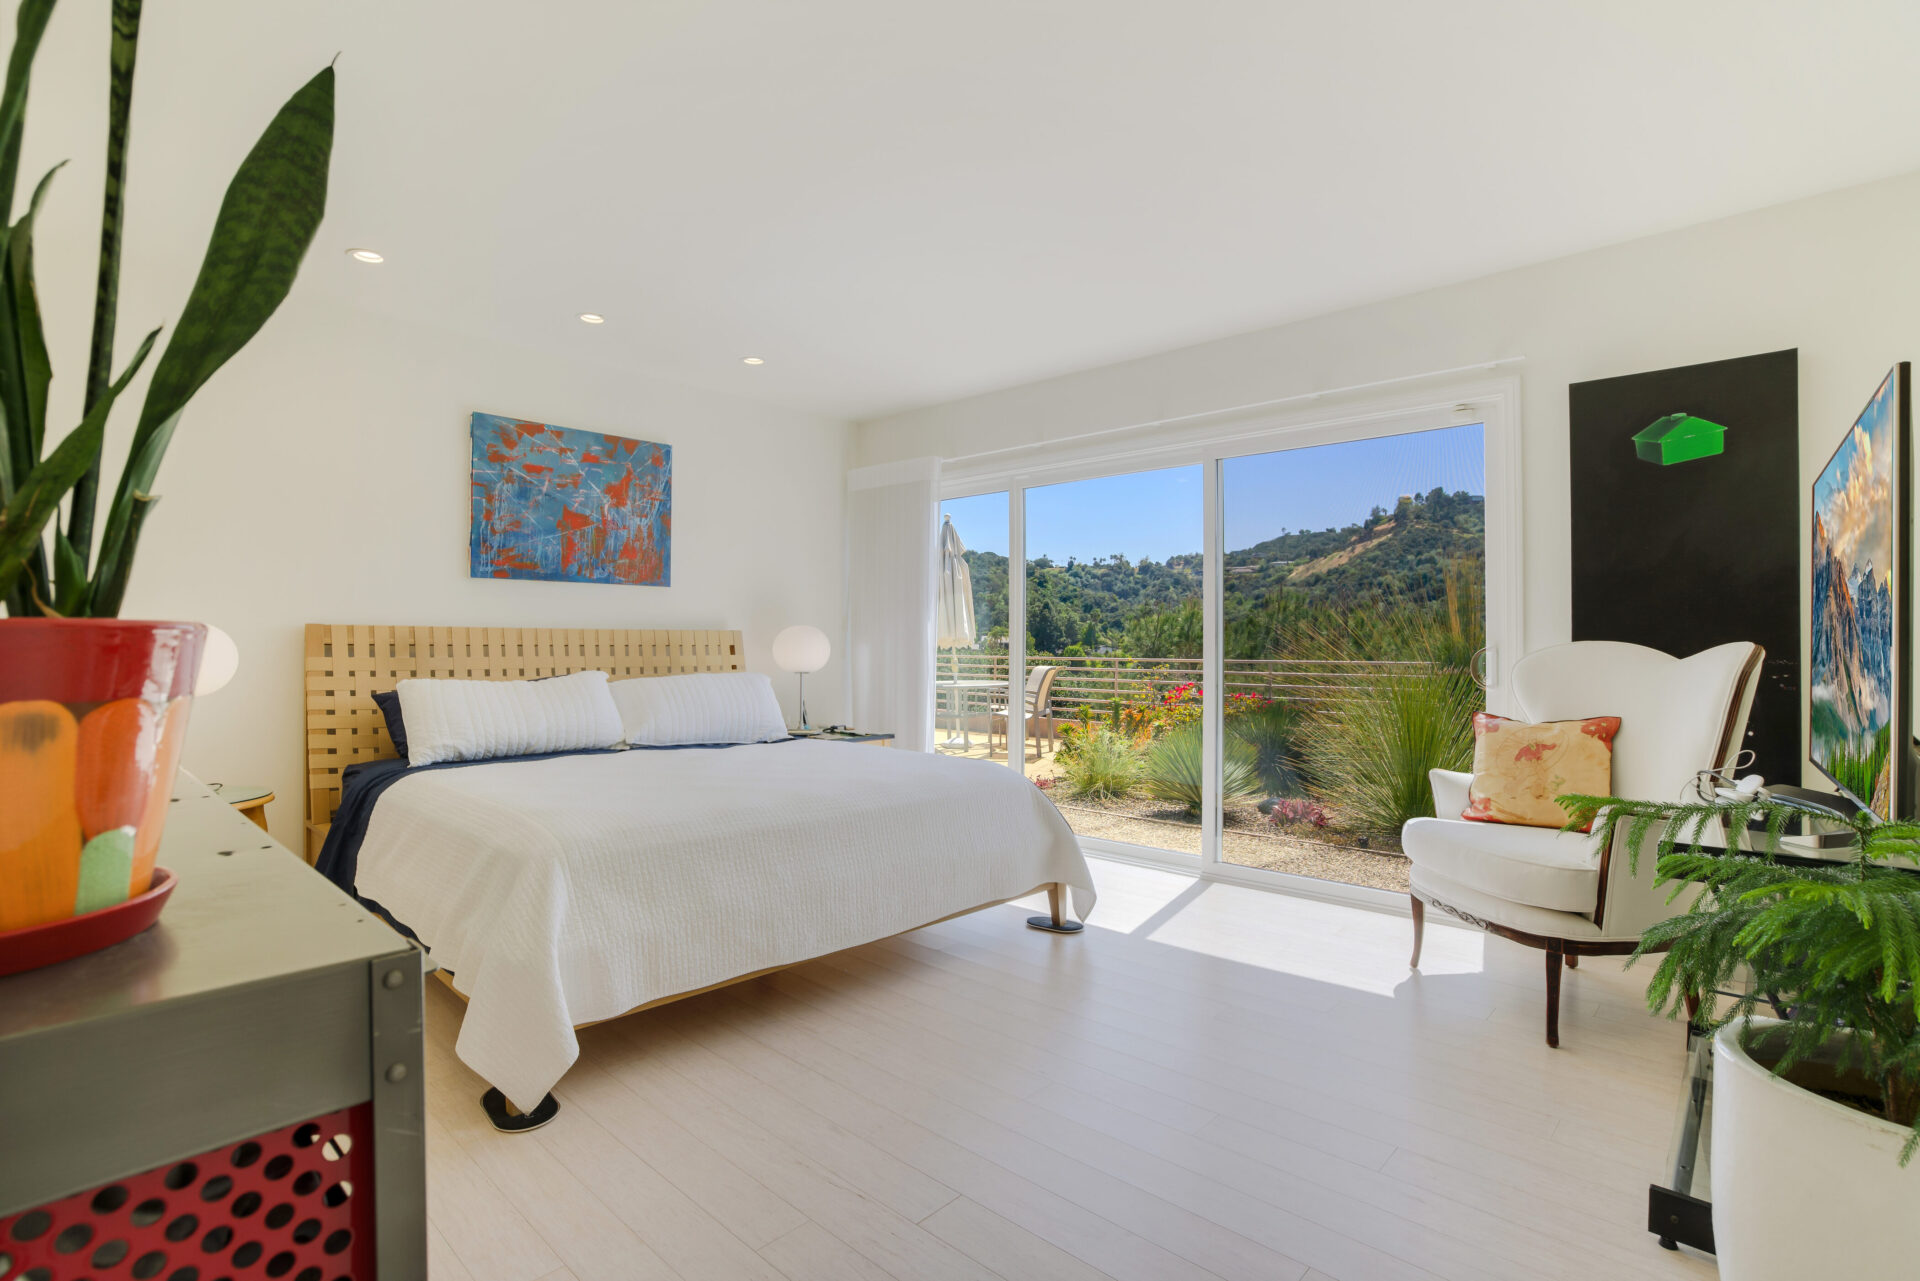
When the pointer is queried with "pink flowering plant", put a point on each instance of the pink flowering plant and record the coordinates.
(1297, 812)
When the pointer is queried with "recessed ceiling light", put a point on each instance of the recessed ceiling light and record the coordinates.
(366, 255)
(593, 318)
(752, 360)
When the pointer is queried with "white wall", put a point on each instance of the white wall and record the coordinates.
(322, 477)
(1837, 276)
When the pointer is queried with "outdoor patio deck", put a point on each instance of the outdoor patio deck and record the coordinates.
(1247, 839)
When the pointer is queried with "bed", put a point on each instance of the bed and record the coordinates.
(564, 889)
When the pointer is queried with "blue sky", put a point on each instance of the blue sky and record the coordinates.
(1156, 514)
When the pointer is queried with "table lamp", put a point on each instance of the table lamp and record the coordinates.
(801, 649)
(219, 660)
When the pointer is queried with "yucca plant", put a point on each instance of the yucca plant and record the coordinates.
(1272, 731)
(1368, 749)
(272, 208)
(1370, 754)
(1103, 764)
(1175, 769)
(1836, 948)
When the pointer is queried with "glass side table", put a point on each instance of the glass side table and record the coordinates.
(1680, 1208)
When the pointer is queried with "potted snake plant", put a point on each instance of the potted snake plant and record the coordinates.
(93, 708)
(1814, 1113)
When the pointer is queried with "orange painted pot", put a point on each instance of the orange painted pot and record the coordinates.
(93, 713)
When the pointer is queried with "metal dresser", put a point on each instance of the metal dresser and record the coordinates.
(234, 1092)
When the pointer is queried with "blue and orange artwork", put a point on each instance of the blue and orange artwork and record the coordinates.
(569, 506)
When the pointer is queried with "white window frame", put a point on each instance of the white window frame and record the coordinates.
(1210, 440)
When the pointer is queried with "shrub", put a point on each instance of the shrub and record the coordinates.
(1175, 767)
(1297, 811)
(1270, 729)
(1371, 753)
(1103, 764)
(1150, 709)
(1154, 710)
(1367, 751)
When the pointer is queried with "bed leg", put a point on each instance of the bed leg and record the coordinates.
(510, 1120)
(1057, 921)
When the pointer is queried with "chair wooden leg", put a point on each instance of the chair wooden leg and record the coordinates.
(1555, 959)
(1419, 929)
(1573, 962)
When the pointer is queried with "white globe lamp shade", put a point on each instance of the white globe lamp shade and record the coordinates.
(219, 660)
(801, 649)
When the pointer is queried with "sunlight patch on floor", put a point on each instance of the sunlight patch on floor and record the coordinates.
(1308, 938)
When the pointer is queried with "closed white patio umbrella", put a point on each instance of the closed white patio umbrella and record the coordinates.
(956, 622)
(956, 591)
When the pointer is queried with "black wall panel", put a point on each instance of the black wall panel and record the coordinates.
(1690, 555)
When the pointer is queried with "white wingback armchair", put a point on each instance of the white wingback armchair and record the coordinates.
(1559, 890)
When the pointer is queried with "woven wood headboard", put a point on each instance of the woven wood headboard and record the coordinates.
(346, 665)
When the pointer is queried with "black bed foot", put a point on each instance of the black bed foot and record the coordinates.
(510, 1122)
(1056, 921)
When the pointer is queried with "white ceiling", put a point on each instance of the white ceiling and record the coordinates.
(897, 203)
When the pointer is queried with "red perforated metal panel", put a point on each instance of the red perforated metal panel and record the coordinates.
(294, 1203)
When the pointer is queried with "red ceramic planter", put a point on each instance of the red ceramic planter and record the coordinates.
(57, 941)
(93, 713)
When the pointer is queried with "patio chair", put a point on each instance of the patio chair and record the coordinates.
(1560, 891)
(1039, 706)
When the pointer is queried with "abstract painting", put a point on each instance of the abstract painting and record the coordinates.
(569, 506)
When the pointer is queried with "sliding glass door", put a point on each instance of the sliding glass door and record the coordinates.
(1353, 621)
(1245, 654)
(1115, 626)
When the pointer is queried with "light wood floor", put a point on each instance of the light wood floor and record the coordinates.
(1211, 1082)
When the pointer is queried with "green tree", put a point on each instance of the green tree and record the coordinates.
(1045, 632)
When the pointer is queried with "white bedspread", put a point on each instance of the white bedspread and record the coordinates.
(568, 890)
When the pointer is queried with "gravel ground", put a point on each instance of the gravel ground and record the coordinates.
(1319, 859)
(1246, 837)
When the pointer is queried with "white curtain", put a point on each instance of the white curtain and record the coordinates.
(893, 567)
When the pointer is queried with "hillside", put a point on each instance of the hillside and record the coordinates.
(1391, 557)
(1151, 608)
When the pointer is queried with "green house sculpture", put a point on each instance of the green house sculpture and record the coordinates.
(1679, 438)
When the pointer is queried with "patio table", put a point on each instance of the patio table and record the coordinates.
(955, 688)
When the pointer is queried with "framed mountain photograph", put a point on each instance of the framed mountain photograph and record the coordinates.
(1857, 599)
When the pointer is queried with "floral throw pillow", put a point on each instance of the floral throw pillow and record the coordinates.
(1519, 768)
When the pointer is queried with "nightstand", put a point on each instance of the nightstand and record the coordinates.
(265, 1011)
(250, 800)
(845, 736)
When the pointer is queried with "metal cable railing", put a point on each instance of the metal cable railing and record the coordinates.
(1099, 681)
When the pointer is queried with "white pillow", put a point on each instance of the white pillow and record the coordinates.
(705, 707)
(449, 720)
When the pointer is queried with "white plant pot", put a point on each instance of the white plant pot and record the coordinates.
(1803, 1186)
